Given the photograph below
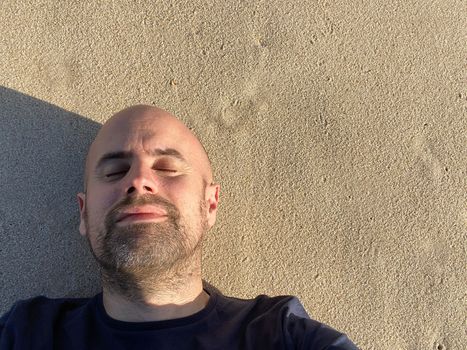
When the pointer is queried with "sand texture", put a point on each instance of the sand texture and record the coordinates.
(337, 130)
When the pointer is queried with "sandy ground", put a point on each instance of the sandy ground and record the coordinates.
(337, 131)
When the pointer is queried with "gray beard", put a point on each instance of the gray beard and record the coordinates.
(140, 259)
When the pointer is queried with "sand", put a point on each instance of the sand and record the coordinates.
(337, 131)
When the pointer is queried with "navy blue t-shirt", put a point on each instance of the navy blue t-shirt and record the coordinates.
(225, 323)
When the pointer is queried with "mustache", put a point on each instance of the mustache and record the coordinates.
(145, 199)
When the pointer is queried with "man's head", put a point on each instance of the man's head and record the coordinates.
(149, 195)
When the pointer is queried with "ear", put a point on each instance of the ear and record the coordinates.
(212, 198)
(82, 209)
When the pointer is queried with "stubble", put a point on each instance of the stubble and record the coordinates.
(139, 258)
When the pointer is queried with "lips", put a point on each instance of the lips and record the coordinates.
(145, 212)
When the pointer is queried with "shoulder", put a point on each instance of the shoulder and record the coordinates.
(264, 306)
(41, 305)
(35, 314)
(266, 316)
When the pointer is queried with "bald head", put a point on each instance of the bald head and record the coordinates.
(148, 180)
(137, 127)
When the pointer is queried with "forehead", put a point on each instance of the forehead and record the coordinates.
(143, 134)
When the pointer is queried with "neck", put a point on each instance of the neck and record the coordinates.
(155, 296)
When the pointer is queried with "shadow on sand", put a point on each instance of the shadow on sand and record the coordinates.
(42, 156)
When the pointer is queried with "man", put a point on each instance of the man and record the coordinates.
(149, 199)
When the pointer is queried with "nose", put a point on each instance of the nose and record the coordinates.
(141, 181)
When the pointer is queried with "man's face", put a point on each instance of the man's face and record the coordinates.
(147, 203)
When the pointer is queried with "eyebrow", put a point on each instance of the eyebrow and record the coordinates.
(128, 155)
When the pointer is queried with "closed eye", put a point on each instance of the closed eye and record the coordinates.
(167, 171)
(116, 174)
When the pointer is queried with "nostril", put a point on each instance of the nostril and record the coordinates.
(133, 189)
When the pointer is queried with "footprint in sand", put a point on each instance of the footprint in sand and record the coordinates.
(423, 151)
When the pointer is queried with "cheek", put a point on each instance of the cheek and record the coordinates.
(187, 198)
(183, 191)
(99, 202)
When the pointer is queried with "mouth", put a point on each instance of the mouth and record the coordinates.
(146, 213)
